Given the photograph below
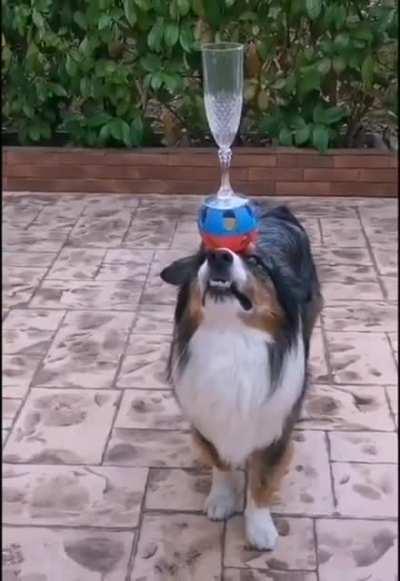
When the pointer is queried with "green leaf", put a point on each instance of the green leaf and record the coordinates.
(130, 12)
(184, 7)
(71, 66)
(58, 90)
(213, 12)
(154, 37)
(105, 132)
(320, 138)
(104, 21)
(367, 71)
(324, 66)
(99, 119)
(313, 8)
(156, 81)
(302, 135)
(186, 38)
(171, 81)
(137, 131)
(310, 80)
(151, 63)
(285, 137)
(339, 64)
(171, 34)
(37, 19)
(144, 5)
(80, 20)
(342, 40)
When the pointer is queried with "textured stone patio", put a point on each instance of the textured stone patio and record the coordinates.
(100, 482)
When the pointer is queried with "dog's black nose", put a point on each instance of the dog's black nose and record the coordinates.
(219, 263)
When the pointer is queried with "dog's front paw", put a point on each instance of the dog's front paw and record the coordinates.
(260, 529)
(220, 504)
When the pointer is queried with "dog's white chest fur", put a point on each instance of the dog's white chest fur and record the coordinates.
(225, 387)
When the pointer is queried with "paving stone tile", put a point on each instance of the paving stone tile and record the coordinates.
(65, 212)
(86, 350)
(4, 435)
(80, 294)
(368, 316)
(156, 232)
(29, 259)
(267, 575)
(306, 489)
(18, 372)
(348, 408)
(178, 545)
(393, 395)
(145, 363)
(363, 447)
(100, 231)
(366, 489)
(125, 264)
(308, 207)
(295, 548)
(386, 259)
(361, 358)
(391, 287)
(62, 427)
(150, 409)
(103, 205)
(151, 448)
(29, 331)
(72, 495)
(319, 370)
(342, 232)
(156, 291)
(76, 264)
(36, 239)
(333, 256)
(349, 282)
(154, 319)
(362, 549)
(187, 242)
(380, 226)
(20, 214)
(9, 411)
(393, 338)
(180, 490)
(43, 554)
(20, 284)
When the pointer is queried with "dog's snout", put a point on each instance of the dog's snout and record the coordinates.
(219, 259)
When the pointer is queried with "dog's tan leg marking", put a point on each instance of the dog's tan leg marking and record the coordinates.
(221, 501)
(266, 469)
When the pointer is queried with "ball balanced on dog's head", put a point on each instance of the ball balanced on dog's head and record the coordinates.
(233, 227)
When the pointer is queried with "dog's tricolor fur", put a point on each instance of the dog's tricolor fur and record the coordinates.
(239, 359)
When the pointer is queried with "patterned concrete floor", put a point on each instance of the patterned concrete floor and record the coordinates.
(100, 482)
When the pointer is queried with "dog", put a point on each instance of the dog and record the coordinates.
(238, 360)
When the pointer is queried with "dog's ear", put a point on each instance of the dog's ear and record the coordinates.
(181, 271)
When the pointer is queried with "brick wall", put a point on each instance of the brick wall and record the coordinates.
(255, 171)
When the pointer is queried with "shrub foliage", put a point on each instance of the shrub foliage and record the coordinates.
(121, 72)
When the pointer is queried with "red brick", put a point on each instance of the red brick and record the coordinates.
(303, 188)
(331, 175)
(253, 188)
(365, 189)
(290, 160)
(276, 174)
(257, 160)
(366, 161)
(378, 175)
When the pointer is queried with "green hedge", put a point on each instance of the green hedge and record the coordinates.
(121, 72)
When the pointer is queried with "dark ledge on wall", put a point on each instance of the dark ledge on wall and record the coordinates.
(255, 170)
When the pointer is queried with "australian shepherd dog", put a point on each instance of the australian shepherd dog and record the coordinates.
(238, 360)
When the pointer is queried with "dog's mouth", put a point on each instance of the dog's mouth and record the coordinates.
(221, 289)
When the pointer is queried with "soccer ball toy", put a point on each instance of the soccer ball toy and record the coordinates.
(230, 227)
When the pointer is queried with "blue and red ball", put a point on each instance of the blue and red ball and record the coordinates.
(234, 228)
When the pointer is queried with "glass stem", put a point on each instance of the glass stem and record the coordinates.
(225, 156)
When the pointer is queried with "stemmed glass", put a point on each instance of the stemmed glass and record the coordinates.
(223, 98)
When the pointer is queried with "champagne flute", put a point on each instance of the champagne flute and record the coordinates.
(223, 98)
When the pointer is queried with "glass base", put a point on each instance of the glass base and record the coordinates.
(226, 203)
